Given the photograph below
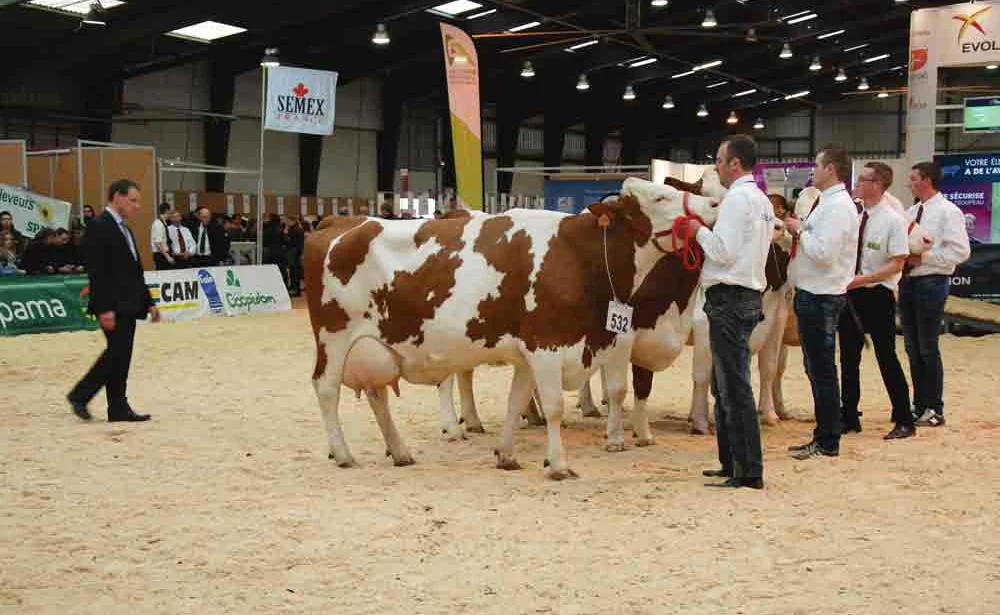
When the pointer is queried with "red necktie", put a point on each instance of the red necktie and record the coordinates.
(861, 242)
(180, 239)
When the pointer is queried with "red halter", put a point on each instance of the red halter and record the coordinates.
(683, 239)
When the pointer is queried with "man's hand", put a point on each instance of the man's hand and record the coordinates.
(857, 282)
(170, 259)
(107, 321)
(154, 314)
(793, 224)
(915, 260)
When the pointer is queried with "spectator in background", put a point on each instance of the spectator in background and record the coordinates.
(221, 242)
(88, 215)
(7, 228)
(780, 205)
(45, 255)
(235, 229)
(273, 241)
(296, 245)
(209, 244)
(9, 256)
(180, 240)
(159, 240)
(68, 258)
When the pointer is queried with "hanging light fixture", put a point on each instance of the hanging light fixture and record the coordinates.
(668, 102)
(752, 35)
(93, 16)
(815, 66)
(528, 71)
(702, 111)
(786, 51)
(991, 67)
(882, 94)
(583, 84)
(659, 3)
(841, 75)
(732, 120)
(381, 36)
(709, 21)
(270, 59)
(864, 84)
(629, 93)
(759, 124)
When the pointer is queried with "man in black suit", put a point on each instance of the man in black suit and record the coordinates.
(118, 297)
(211, 244)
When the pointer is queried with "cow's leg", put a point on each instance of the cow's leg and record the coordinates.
(532, 414)
(642, 385)
(449, 424)
(616, 386)
(378, 399)
(326, 383)
(521, 388)
(547, 372)
(587, 401)
(701, 375)
(470, 415)
(767, 364)
(777, 393)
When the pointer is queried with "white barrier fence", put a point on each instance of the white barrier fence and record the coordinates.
(187, 294)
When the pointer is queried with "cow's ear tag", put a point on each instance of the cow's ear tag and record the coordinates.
(604, 221)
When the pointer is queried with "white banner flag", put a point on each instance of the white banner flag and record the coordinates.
(301, 100)
(230, 204)
(33, 212)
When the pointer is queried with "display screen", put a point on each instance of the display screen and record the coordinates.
(982, 114)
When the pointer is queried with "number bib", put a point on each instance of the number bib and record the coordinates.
(619, 317)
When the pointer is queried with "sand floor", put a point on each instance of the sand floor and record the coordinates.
(226, 502)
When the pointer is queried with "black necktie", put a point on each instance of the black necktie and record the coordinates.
(861, 242)
(202, 236)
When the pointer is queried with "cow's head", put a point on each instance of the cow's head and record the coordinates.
(918, 240)
(711, 185)
(664, 204)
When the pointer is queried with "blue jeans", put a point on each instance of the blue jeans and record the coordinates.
(733, 312)
(921, 310)
(818, 317)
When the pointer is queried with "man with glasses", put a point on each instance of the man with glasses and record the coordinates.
(881, 253)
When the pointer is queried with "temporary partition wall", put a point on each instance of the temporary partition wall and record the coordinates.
(13, 163)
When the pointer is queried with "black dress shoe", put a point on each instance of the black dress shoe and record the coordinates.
(80, 409)
(130, 417)
(736, 483)
(801, 447)
(848, 426)
(723, 473)
(901, 431)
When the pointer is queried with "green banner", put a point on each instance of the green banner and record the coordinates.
(44, 304)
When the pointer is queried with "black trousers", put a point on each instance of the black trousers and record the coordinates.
(876, 310)
(161, 262)
(111, 368)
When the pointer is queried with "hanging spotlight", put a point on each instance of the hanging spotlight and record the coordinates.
(864, 84)
(786, 52)
(381, 36)
(659, 3)
(668, 102)
(528, 71)
(752, 35)
(702, 111)
(629, 93)
(991, 67)
(759, 124)
(732, 120)
(815, 66)
(583, 84)
(93, 16)
(270, 59)
(841, 75)
(882, 94)
(709, 21)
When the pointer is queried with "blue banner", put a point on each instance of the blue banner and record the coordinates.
(972, 181)
(573, 196)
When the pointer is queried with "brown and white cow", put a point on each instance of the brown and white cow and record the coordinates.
(423, 300)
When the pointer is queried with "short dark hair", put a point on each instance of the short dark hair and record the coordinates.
(6, 213)
(201, 207)
(840, 160)
(744, 148)
(86, 207)
(930, 171)
(163, 208)
(883, 173)
(120, 186)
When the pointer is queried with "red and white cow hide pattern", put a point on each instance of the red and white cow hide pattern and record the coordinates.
(422, 300)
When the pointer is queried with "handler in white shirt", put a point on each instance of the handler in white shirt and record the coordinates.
(733, 275)
(822, 267)
(181, 241)
(882, 249)
(158, 241)
(924, 289)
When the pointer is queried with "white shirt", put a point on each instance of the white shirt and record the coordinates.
(893, 201)
(128, 235)
(175, 243)
(885, 238)
(736, 247)
(945, 223)
(157, 235)
(828, 243)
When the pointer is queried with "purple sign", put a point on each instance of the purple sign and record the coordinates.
(976, 202)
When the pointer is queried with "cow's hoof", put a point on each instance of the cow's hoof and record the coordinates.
(699, 428)
(562, 474)
(650, 441)
(592, 413)
(535, 420)
(406, 460)
(770, 419)
(507, 463)
(615, 447)
(347, 463)
(475, 429)
(454, 437)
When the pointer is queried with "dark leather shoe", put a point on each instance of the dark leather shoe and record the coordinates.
(80, 409)
(723, 473)
(901, 431)
(849, 426)
(801, 447)
(736, 483)
(130, 417)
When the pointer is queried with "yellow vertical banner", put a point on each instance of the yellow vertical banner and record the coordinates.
(462, 71)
